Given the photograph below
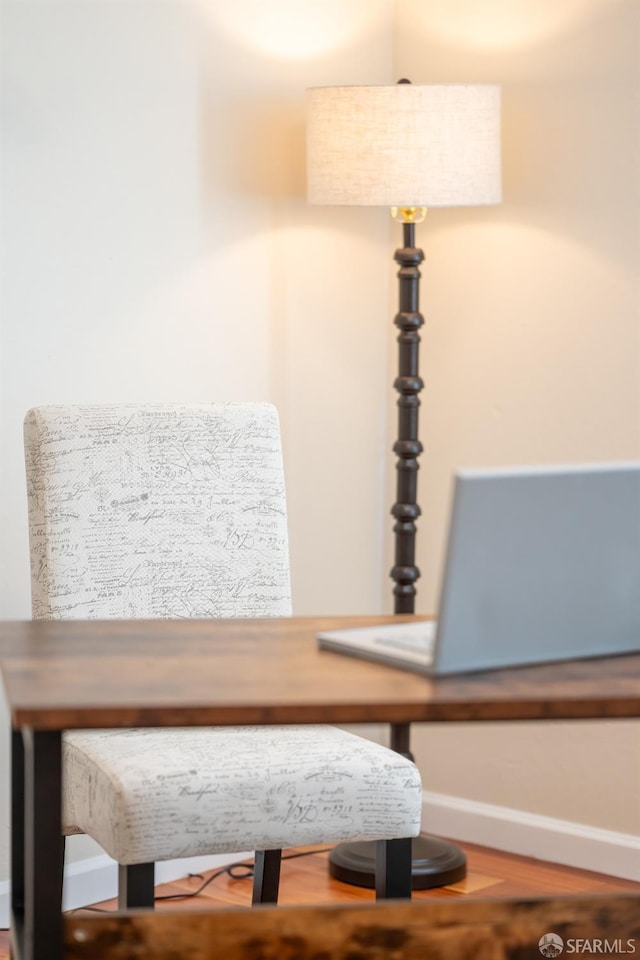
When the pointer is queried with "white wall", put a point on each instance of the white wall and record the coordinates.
(157, 245)
(532, 339)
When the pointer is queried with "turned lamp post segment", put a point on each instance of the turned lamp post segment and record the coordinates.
(407, 447)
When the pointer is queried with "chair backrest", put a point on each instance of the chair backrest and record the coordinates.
(146, 511)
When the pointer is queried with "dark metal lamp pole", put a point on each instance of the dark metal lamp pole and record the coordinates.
(436, 862)
(407, 447)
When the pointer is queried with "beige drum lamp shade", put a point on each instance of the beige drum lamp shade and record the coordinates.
(404, 145)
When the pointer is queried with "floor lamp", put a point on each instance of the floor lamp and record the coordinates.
(406, 147)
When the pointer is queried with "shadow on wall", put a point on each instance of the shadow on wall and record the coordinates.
(271, 130)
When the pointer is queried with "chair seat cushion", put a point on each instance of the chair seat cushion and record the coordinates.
(158, 794)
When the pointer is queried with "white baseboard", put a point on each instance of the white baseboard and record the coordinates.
(94, 879)
(532, 835)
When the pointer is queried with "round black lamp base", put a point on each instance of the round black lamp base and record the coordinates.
(436, 863)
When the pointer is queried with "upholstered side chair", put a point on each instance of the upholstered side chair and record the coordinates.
(164, 511)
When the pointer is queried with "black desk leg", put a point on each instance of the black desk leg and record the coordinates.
(17, 845)
(43, 846)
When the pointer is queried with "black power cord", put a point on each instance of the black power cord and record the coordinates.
(232, 870)
(239, 870)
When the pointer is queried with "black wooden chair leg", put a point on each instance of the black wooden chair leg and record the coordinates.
(393, 869)
(266, 876)
(136, 882)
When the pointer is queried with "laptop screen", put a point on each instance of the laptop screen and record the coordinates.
(542, 564)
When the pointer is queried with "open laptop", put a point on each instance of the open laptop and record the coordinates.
(542, 564)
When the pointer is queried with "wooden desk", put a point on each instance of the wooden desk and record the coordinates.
(62, 675)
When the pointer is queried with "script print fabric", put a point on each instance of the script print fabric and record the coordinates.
(157, 512)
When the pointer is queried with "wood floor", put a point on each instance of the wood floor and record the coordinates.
(305, 880)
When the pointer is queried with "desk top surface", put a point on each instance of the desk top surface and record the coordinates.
(74, 674)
